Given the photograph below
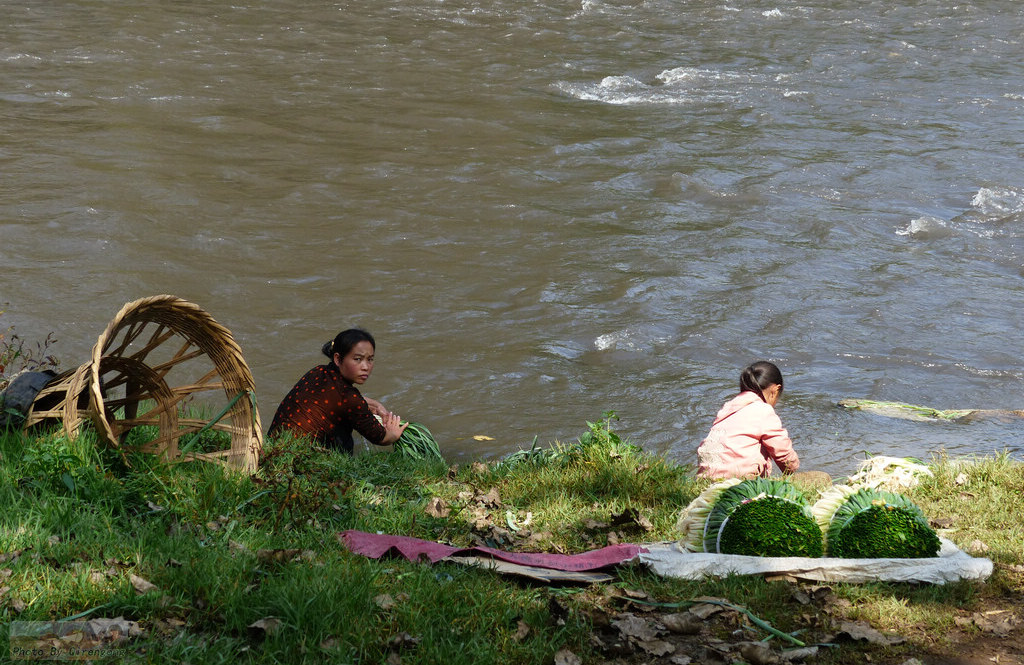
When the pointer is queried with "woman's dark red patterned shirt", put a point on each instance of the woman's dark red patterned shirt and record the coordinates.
(326, 408)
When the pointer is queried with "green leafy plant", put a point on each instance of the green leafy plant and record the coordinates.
(601, 434)
(417, 442)
(874, 524)
(762, 517)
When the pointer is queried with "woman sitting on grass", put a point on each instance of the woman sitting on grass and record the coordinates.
(747, 433)
(325, 404)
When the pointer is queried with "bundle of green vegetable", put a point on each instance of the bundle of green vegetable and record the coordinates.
(758, 517)
(762, 517)
(870, 523)
(692, 519)
(418, 443)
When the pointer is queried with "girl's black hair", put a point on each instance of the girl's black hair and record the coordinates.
(759, 376)
(345, 340)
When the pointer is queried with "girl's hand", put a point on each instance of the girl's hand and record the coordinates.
(393, 425)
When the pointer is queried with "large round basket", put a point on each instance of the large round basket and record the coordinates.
(166, 378)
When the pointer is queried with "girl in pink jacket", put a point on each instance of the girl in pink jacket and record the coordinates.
(747, 433)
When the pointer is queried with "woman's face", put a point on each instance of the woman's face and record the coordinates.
(357, 365)
(772, 394)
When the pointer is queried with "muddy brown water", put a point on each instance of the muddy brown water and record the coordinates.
(543, 211)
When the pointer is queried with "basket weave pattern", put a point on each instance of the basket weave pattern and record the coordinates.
(155, 355)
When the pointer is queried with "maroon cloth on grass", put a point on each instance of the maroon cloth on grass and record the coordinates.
(375, 546)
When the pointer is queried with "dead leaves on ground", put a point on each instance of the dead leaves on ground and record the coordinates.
(71, 640)
(691, 633)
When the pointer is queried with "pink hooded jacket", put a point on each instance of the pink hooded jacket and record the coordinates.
(746, 436)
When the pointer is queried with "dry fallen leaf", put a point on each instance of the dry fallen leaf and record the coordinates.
(758, 654)
(683, 623)
(403, 640)
(861, 631)
(384, 601)
(113, 629)
(492, 498)
(141, 585)
(566, 657)
(263, 627)
(704, 610)
(436, 507)
(657, 647)
(522, 630)
(635, 628)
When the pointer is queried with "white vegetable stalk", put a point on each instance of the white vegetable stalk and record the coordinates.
(824, 509)
(692, 519)
(893, 473)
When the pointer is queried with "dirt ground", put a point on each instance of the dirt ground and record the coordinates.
(630, 632)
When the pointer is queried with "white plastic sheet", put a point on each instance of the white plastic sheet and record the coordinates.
(952, 564)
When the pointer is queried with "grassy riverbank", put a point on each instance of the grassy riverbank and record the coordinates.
(216, 567)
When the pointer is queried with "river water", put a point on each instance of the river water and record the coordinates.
(542, 210)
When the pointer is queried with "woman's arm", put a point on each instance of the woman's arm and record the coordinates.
(376, 407)
(392, 423)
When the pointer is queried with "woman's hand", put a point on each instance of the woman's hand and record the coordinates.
(376, 407)
(393, 425)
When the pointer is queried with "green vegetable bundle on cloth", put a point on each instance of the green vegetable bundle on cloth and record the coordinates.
(869, 524)
(757, 517)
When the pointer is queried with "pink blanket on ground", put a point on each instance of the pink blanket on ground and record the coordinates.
(377, 545)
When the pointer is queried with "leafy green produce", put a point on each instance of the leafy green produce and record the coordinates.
(770, 526)
(418, 443)
(878, 524)
(762, 517)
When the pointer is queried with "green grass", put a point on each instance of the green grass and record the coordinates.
(226, 550)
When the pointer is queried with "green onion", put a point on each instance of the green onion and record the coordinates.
(417, 442)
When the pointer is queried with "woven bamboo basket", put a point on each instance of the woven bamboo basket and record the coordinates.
(159, 363)
(64, 399)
